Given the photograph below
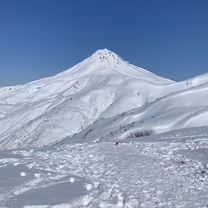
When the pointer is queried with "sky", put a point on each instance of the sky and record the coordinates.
(40, 38)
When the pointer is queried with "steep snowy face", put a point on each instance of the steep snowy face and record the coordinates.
(102, 87)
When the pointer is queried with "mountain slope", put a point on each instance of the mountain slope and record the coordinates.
(98, 90)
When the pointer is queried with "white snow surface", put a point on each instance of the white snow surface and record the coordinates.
(99, 90)
(73, 140)
(168, 170)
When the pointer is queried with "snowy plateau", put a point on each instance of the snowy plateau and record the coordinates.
(104, 134)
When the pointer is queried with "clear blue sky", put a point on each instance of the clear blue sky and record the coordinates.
(39, 38)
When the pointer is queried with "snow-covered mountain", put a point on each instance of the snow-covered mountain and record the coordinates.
(86, 120)
(99, 98)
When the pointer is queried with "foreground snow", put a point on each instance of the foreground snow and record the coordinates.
(167, 170)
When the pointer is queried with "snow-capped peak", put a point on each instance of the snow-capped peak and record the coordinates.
(105, 55)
